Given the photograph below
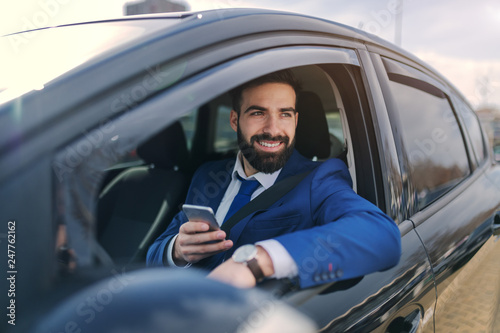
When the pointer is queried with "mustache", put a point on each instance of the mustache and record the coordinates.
(269, 137)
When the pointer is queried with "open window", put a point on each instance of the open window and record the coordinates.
(322, 131)
(123, 193)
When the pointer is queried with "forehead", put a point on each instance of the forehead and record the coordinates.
(269, 93)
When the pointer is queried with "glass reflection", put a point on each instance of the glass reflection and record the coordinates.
(31, 59)
(433, 142)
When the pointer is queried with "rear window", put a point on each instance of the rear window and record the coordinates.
(434, 144)
(474, 131)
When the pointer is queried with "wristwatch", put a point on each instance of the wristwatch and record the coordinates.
(247, 255)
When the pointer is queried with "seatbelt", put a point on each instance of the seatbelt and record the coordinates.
(264, 200)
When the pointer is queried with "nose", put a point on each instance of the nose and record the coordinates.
(272, 125)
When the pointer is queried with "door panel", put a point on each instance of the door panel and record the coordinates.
(452, 205)
(380, 299)
(457, 236)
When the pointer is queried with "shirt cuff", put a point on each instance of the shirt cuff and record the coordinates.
(170, 257)
(284, 265)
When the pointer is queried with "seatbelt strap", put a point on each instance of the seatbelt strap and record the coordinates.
(264, 200)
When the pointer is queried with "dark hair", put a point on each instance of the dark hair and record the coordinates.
(284, 76)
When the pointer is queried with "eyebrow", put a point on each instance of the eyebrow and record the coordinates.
(255, 107)
(260, 108)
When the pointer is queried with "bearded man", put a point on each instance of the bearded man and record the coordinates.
(319, 232)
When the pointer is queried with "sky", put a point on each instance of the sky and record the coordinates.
(459, 38)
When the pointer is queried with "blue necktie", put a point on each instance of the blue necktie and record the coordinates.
(243, 197)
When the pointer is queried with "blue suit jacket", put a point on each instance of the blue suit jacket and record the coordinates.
(330, 231)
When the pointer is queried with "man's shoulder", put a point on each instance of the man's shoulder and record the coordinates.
(333, 164)
(333, 169)
(226, 164)
(298, 164)
(217, 166)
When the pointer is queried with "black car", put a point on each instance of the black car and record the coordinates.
(103, 123)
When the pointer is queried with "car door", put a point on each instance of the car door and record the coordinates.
(99, 128)
(452, 201)
(380, 301)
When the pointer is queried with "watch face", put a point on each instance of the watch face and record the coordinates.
(245, 253)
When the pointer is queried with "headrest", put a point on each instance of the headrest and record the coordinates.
(166, 149)
(312, 136)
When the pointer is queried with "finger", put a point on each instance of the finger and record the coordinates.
(194, 253)
(193, 227)
(200, 238)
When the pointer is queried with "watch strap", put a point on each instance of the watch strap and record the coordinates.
(254, 267)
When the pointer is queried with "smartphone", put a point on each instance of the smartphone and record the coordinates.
(201, 213)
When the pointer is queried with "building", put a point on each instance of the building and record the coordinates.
(154, 6)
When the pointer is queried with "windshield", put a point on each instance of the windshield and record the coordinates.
(31, 59)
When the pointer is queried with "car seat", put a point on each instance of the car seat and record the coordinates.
(313, 139)
(136, 206)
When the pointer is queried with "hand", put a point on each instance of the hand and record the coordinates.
(233, 273)
(191, 244)
(238, 274)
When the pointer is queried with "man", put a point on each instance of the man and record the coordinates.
(321, 231)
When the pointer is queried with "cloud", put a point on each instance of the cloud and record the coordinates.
(457, 37)
(478, 80)
(461, 29)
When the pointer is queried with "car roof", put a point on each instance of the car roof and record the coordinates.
(234, 23)
(240, 22)
(179, 33)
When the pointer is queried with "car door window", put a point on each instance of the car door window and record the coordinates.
(313, 81)
(474, 131)
(225, 140)
(432, 139)
(182, 113)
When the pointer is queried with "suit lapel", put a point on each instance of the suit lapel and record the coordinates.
(295, 165)
(217, 182)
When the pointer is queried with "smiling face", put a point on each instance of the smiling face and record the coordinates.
(266, 126)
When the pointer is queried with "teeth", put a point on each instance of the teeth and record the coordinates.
(270, 145)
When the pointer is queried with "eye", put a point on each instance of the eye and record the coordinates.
(286, 114)
(256, 113)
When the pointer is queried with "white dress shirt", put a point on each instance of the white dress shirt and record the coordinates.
(284, 265)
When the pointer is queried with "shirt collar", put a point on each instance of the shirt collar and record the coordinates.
(265, 179)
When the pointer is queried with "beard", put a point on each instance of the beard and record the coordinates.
(264, 161)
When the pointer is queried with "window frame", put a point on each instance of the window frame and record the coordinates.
(212, 117)
(128, 129)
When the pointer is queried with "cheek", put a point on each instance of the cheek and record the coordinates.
(249, 128)
(290, 131)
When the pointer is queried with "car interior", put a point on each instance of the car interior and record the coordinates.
(141, 195)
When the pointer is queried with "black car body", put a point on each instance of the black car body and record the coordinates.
(108, 121)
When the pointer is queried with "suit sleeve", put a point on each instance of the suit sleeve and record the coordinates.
(351, 237)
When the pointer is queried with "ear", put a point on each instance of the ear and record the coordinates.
(233, 120)
(296, 119)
